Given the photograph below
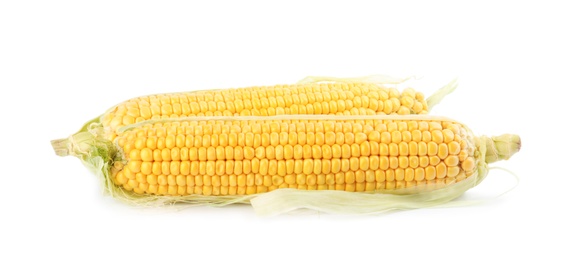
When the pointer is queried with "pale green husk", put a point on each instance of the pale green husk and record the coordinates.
(342, 202)
(99, 154)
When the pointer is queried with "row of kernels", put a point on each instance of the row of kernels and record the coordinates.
(228, 95)
(296, 182)
(200, 127)
(249, 140)
(174, 190)
(206, 126)
(292, 139)
(201, 102)
(349, 177)
(287, 152)
(306, 166)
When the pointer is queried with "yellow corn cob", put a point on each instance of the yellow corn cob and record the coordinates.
(308, 98)
(203, 158)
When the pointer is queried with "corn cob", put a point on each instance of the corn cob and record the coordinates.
(334, 98)
(220, 160)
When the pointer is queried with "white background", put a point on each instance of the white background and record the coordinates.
(65, 62)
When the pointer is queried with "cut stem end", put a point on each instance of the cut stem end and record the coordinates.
(60, 146)
(502, 147)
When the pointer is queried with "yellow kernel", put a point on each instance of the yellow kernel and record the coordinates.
(170, 141)
(442, 151)
(399, 174)
(339, 178)
(396, 137)
(437, 136)
(380, 176)
(364, 163)
(134, 166)
(441, 170)
(219, 167)
(360, 176)
(121, 178)
(135, 154)
(236, 167)
(453, 147)
(409, 174)
(157, 168)
(393, 162)
(146, 155)
(432, 148)
(316, 151)
(184, 154)
(349, 177)
(171, 180)
(317, 166)
(301, 179)
(383, 149)
(290, 166)
(393, 149)
(452, 171)
(430, 173)
(448, 135)
(452, 160)
(152, 179)
(419, 174)
(310, 179)
(387, 106)
(290, 179)
(325, 166)
(354, 163)
(389, 175)
(206, 190)
(162, 179)
(307, 166)
(426, 136)
(385, 137)
(129, 174)
(462, 155)
(365, 149)
(403, 111)
(355, 150)
(435, 126)
(468, 164)
(423, 161)
(416, 135)
(360, 137)
(374, 136)
(345, 151)
(413, 148)
(403, 161)
(373, 162)
(260, 152)
(146, 167)
(281, 168)
(307, 151)
(335, 165)
(383, 162)
(403, 148)
(344, 165)
(434, 160)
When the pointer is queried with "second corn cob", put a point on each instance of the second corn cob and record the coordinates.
(332, 98)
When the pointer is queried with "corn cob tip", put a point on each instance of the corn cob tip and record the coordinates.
(502, 147)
